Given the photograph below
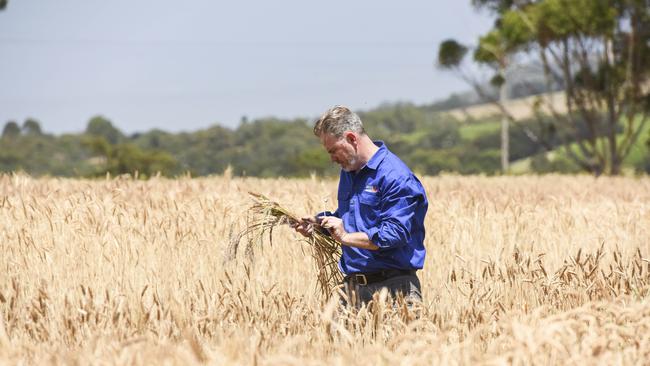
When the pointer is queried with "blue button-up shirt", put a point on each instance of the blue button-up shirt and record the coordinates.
(386, 201)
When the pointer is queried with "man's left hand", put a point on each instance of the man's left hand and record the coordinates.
(335, 226)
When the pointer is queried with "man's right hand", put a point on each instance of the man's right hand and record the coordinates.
(305, 226)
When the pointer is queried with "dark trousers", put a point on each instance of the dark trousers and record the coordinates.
(357, 293)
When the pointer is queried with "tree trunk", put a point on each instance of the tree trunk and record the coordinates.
(505, 140)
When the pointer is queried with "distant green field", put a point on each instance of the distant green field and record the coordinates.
(638, 153)
(473, 130)
(640, 150)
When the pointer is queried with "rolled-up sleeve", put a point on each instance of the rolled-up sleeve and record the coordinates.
(397, 210)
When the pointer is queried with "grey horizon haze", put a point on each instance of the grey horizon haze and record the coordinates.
(184, 66)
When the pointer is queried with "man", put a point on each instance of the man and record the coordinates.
(380, 215)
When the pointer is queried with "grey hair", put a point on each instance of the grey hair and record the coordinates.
(336, 121)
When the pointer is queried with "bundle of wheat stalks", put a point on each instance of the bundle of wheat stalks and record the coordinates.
(265, 215)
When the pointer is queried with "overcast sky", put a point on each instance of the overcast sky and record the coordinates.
(186, 65)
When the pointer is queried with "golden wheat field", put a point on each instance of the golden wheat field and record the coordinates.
(520, 270)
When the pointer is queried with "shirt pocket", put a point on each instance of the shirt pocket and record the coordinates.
(369, 208)
(369, 199)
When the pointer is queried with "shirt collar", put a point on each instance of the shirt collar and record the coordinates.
(378, 156)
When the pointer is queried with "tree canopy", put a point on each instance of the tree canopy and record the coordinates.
(599, 49)
(427, 140)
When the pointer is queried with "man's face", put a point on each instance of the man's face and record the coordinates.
(342, 150)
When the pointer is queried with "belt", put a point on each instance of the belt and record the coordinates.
(364, 279)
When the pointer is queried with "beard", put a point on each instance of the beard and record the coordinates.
(350, 164)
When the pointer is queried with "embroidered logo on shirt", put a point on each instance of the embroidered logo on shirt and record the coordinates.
(371, 189)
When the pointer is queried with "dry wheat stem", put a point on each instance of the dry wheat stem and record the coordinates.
(266, 214)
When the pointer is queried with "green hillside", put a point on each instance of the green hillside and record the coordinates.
(637, 161)
(428, 140)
